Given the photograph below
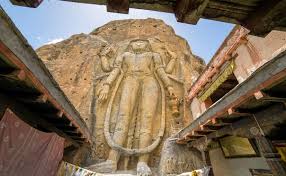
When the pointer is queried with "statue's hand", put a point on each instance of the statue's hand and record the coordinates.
(171, 91)
(103, 94)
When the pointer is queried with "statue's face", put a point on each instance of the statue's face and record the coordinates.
(139, 45)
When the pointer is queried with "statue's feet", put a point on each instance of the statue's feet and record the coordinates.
(143, 169)
(108, 166)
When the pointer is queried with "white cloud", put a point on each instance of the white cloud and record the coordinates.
(53, 41)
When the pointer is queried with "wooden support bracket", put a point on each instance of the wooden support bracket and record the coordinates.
(219, 122)
(259, 95)
(206, 129)
(60, 114)
(196, 134)
(17, 75)
(232, 113)
(43, 98)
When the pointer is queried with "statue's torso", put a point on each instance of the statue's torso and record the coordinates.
(138, 62)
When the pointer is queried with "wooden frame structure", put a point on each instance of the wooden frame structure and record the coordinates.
(259, 16)
(27, 87)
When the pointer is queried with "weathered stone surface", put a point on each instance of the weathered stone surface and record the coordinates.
(178, 159)
(83, 63)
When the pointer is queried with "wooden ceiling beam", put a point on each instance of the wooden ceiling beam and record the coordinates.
(203, 132)
(33, 99)
(16, 75)
(189, 11)
(232, 113)
(260, 95)
(267, 17)
(118, 6)
(219, 122)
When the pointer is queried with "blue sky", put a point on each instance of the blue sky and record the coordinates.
(55, 20)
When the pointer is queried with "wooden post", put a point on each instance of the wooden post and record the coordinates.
(273, 158)
(207, 161)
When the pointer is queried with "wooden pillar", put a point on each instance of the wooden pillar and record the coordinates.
(273, 158)
(207, 161)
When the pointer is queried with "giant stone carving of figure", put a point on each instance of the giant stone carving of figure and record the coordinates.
(87, 60)
(141, 82)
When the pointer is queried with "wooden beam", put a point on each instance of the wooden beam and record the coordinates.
(181, 141)
(60, 114)
(17, 75)
(78, 138)
(27, 3)
(219, 122)
(244, 127)
(190, 135)
(203, 132)
(206, 128)
(181, 9)
(65, 127)
(196, 134)
(196, 14)
(259, 95)
(228, 5)
(232, 113)
(32, 99)
(42, 98)
(189, 138)
(73, 134)
(188, 11)
(118, 6)
(268, 16)
(275, 99)
(72, 131)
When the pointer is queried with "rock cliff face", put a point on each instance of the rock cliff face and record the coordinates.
(76, 65)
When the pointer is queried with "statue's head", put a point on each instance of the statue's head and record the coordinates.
(139, 45)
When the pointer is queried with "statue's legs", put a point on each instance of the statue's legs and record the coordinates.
(150, 96)
(127, 102)
(130, 88)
